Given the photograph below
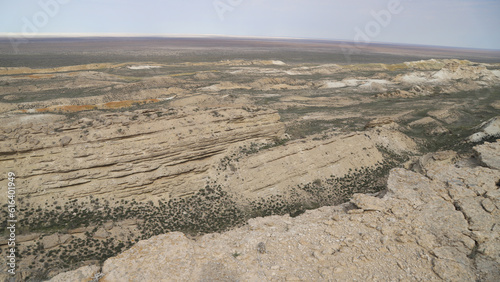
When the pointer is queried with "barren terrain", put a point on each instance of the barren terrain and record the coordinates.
(117, 141)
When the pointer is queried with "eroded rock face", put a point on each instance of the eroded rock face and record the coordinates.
(439, 226)
(162, 152)
(148, 155)
(280, 168)
(159, 154)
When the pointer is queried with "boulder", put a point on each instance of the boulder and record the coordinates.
(108, 225)
(65, 140)
(489, 154)
(86, 121)
(434, 160)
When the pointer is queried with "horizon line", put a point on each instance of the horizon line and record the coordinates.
(189, 35)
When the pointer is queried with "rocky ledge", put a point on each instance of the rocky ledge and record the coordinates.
(440, 223)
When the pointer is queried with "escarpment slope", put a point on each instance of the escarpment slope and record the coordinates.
(440, 225)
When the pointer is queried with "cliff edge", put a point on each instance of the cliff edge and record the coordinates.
(440, 223)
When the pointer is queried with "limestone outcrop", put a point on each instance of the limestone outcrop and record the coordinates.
(439, 225)
(162, 152)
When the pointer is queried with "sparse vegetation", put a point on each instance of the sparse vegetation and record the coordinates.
(211, 209)
(307, 106)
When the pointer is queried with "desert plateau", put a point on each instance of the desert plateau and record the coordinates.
(231, 159)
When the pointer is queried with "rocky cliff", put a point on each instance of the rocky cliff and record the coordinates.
(440, 224)
(161, 154)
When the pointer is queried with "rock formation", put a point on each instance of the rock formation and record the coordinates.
(113, 153)
(153, 154)
(440, 225)
(128, 154)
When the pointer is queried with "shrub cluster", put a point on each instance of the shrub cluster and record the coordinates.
(209, 210)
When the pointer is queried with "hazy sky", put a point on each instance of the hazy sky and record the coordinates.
(459, 23)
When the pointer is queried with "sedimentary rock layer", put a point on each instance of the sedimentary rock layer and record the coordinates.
(157, 152)
(439, 226)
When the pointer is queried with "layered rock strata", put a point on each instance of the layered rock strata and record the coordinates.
(439, 225)
(133, 154)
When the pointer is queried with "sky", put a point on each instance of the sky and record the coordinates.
(453, 23)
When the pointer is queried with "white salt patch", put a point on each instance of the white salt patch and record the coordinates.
(143, 67)
(414, 78)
